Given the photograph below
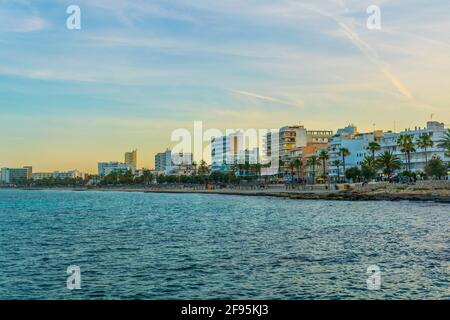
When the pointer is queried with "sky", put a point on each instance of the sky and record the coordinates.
(138, 70)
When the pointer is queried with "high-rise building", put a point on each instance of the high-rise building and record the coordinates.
(173, 163)
(228, 151)
(289, 141)
(14, 175)
(131, 158)
(29, 172)
(163, 160)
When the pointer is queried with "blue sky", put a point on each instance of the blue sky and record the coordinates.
(137, 70)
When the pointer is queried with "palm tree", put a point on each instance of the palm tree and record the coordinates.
(338, 163)
(257, 169)
(147, 177)
(280, 167)
(203, 168)
(246, 168)
(447, 154)
(292, 166)
(370, 162)
(389, 163)
(298, 164)
(373, 147)
(240, 169)
(369, 168)
(406, 143)
(194, 164)
(445, 142)
(312, 161)
(424, 142)
(344, 152)
(324, 156)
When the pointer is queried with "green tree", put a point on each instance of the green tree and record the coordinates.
(324, 156)
(337, 164)
(126, 178)
(389, 163)
(292, 167)
(312, 162)
(281, 168)
(147, 176)
(344, 152)
(298, 164)
(369, 168)
(407, 146)
(353, 173)
(194, 164)
(203, 169)
(256, 168)
(373, 147)
(445, 142)
(424, 142)
(436, 168)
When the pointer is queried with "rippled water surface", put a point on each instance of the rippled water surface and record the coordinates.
(165, 246)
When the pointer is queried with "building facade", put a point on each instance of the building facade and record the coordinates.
(174, 163)
(74, 174)
(356, 143)
(163, 160)
(14, 175)
(229, 151)
(292, 142)
(418, 158)
(42, 175)
(105, 168)
(131, 158)
(310, 172)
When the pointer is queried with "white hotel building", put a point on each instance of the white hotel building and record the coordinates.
(437, 131)
(357, 144)
(74, 174)
(105, 168)
(13, 175)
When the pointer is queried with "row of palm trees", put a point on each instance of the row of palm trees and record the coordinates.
(388, 162)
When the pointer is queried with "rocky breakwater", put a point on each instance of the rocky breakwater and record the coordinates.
(424, 195)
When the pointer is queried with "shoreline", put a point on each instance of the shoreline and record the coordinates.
(439, 196)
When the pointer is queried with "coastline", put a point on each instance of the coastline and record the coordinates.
(440, 196)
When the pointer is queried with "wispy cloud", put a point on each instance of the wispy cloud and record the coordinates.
(397, 83)
(267, 98)
(370, 53)
(363, 46)
(132, 12)
(20, 17)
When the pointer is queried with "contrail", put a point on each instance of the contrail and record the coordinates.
(370, 54)
(364, 47)
(258, 96)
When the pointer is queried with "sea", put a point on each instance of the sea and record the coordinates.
(130, 245)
